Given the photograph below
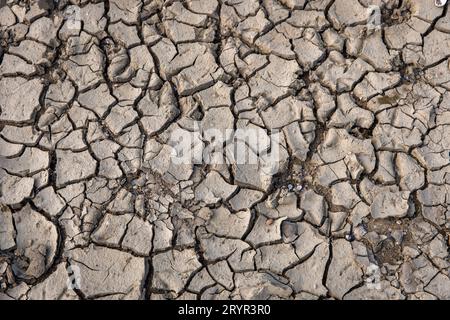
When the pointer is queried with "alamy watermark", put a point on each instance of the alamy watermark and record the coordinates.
(74, 278)
(373, 18)
(373, 281)
(213, 146)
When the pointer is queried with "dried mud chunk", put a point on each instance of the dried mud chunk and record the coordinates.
(435, 150)
(127, 11)
(30, 162)
(308, 239)
(45, 30)
(13, 190)
(252, 26)
(389, 204)
(181, 14)
(416, 274)
(92, 16)
(138, 237)
(344, 194)
(436, 250)
(203, 6)
(111, 229)
(395, 139)
(436, 46)
(375, 52)
(343, 273)
(216, 292)
(308, 276)
(7, 17)
(279, 205)
(398, 36)
(173, 59)
(249, 65)
(57, 101)
(108, 272)
(226, 224)
(49, 201)
(219, 95)
(10, 150)
(298, 141)
(386, 169)
(173, 269)
(200, 76)
(439, 75)
(251, 170)
(127, 35)
(324, 101)
(55, 287)
(287, 111)
(222, 273)
(19, 99)
(23, 135)
(201, 280)
(119, 118)
(345, 13)
(245, 199)
(308, 19)
(309, 49)
(348, 114)
(275, 80)
(36, 240)
(275, 43)
(73, 166)
(440, 287)
(265, 231)
(122, 202)
(160, 158)
(380, 291)
(275, 258)
(340, 74)
(98, 100)
(260, 286)
(217, 121)
(434, 195)
(314, 206)
(163, 233)
(213, 189)
(338, 144)
(86, 70)
(412, 176)
(68, 140)
(217, 248)
(158, 110)
(374, 84)
(7, 231)
(15, 65)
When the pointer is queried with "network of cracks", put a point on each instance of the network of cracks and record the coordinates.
(355, 204)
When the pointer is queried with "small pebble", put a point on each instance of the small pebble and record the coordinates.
(349, 237)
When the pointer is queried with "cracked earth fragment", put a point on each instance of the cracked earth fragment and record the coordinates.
(211, 149)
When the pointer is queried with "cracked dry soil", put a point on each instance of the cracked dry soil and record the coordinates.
(92, 206)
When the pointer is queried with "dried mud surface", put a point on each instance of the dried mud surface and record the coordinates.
(92, 206)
